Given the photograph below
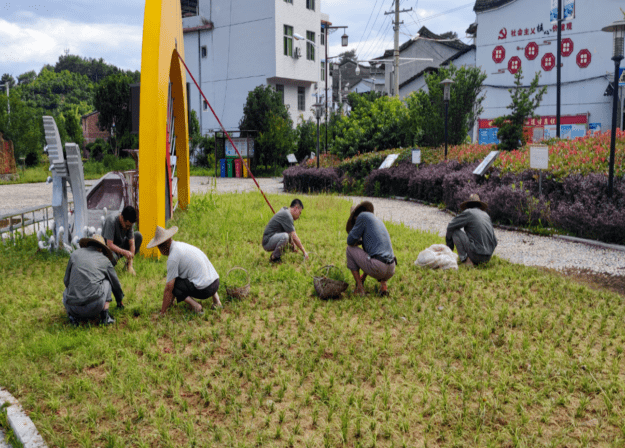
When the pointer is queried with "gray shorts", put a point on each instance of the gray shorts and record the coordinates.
(358, 259)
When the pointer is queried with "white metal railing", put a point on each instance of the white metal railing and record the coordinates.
(30, 220)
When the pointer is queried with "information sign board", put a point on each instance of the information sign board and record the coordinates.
(291, 158)
(388, 162)
(486, 163)
(416, 156)
(539, 157)
(242, 145)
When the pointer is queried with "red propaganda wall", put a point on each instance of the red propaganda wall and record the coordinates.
(7, 158)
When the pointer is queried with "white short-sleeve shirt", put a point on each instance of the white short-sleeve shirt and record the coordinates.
(189, 262)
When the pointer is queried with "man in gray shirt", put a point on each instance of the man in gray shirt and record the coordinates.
(477, 242)
(120, 238)
(281, 230)
(90, 278)
(376, 258)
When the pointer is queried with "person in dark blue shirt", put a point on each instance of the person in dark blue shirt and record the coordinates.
(376, 257)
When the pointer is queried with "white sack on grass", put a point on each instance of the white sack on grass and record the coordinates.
(437, 256)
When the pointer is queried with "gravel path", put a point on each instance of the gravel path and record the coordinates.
(518, 247)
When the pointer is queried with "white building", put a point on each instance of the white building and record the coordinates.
(233, 46)
(518, 34)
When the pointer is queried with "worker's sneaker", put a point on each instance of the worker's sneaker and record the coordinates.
(105, 318)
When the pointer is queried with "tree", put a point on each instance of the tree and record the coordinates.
(111, 99)
(373, 126)
(278, 140)
(6, 78)
(349, 55)
(427, 110)
(27, 78)
(25, 128)
(263, 108)
(55, 92)
(306, 131)
(510, 133)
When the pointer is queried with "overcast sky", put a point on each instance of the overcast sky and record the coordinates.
(37, 32)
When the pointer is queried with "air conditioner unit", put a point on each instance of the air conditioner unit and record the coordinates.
(297, 52)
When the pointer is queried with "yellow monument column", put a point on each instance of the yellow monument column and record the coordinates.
(162, 37)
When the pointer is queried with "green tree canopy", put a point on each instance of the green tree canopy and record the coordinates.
(6, 78)
(95, 69)
(372, 126)
(427, 109)
(524, 101)
(27, 78)
(53, 92)
(263, 109)
(24, 128)
(111, 99)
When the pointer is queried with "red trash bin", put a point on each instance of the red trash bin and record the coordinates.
(237, 167)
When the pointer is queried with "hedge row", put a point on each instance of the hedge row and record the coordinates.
(578, 204)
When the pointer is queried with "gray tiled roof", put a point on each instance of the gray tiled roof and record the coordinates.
(485, 5)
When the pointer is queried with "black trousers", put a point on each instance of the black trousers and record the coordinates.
(183, 288)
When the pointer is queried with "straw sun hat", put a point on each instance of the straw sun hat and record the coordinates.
(98, 241)
(364, 206)
(161, 235)
(474, 199)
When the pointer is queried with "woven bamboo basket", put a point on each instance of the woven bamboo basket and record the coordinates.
(241, 291)
(328, 288)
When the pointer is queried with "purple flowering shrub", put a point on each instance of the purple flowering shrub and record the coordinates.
(577, 204)
(307, 180)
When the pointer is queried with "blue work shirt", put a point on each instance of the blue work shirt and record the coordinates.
(376, 241)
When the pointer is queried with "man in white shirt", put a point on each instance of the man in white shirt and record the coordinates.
(190, 275)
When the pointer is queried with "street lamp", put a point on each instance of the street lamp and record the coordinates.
(344, 40)
(618, 31)
(318, 114)
(446, 95)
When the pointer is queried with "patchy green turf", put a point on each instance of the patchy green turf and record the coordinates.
(501, 355)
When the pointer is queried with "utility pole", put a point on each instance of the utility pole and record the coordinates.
(558, 68)
(396, 24)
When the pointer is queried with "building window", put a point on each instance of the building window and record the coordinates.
(205, 105)
(204, 51)
(301, 98)
(310, 45)
(288, 40)
(322, 37)
(288, 1)
(323, 71)
(310, 4)
(280, 90)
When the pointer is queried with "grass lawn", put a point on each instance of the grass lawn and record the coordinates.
(501, 355)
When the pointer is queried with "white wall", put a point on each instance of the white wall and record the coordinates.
(245, 50)
(582, 88)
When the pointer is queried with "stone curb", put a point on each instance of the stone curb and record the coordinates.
(571, 239)
(20, 423)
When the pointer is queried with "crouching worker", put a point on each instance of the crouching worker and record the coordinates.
(376, 258)
(280, 231)
(90, 278)
(477, 242)
(119, 237)
(190, 275)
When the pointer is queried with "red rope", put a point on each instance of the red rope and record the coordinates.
(225, 132)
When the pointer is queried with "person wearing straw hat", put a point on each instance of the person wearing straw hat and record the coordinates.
(376, 257)
(281, 230)
(472, 232)
(90, 278)
(190, 274)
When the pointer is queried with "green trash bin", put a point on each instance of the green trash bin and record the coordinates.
(230, 164)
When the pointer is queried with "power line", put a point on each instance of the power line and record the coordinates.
(373, 26)
(365, 30)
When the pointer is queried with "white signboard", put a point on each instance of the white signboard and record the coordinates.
(486, 163)
(539, 157)
(388, 162)
(291, 158)
(242, 146)
(416, 156)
